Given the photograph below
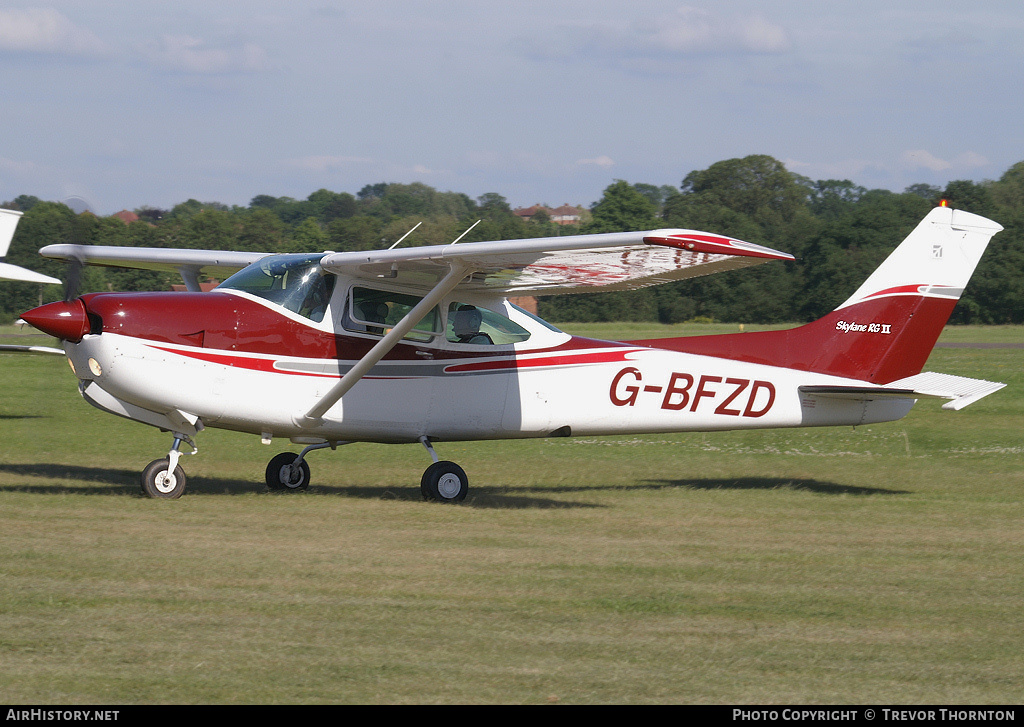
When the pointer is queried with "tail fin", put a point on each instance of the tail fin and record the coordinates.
(886, 330)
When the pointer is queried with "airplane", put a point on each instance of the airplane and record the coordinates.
(421, 344)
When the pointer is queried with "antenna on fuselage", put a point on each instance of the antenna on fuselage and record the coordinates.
(465, 233)
(406, 235)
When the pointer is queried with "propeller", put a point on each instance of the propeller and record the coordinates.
(73, 279)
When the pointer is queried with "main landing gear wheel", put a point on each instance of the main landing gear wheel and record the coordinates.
(159, 482)
(444, 482)
(282, 474)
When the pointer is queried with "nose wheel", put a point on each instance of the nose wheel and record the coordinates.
(163, 479)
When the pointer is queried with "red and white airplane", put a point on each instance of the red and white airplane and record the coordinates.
(422, 345)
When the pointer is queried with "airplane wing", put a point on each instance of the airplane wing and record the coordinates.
(190, 264)
(555, 265)
(542, 266)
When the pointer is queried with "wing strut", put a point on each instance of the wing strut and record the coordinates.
(446, 285)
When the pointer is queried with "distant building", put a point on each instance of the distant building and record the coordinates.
(126, 217)
(526, 302)
(564, 215)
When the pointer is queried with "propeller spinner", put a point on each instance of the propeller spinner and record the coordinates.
(66, 320)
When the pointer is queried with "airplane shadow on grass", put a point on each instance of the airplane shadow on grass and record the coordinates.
(776, 483)
(80, 480)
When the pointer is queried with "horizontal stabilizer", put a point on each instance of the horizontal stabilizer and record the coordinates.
(960, 390)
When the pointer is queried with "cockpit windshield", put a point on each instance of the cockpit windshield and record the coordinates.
(295, 282)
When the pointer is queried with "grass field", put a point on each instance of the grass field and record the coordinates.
(876, 565)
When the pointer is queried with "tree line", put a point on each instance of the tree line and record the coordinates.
(838, 231)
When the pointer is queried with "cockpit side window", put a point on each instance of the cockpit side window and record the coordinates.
(378, 311)
(481, 326)
(294, 282)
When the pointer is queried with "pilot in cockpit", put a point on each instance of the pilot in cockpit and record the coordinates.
(466, 326)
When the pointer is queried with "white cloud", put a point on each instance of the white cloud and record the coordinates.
(691, 30)
(192, 55)
(601, 161)
(45, 30)
(758, 35)
(923, 159)
(686, 32)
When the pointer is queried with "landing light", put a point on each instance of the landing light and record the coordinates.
(95, 367)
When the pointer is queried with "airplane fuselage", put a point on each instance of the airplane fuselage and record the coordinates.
(189, 357)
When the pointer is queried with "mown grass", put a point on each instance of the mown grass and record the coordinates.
(873, 565)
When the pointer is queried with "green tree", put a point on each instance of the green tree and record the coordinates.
(1008, 191)
(850, 247)
(750, 185)
(355, 233)
(622, 209)
(327, 205)
(309, 236)
(962, 194)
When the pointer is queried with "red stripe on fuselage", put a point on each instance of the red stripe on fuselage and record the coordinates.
(615, 356)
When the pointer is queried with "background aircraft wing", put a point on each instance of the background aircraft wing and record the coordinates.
(14, 272)
(554, 265)
(8, 223)
(190, 264)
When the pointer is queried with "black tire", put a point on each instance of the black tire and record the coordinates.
(159, 484)
(444, 482)
(282, 476)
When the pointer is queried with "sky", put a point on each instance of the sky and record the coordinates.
(124, 105)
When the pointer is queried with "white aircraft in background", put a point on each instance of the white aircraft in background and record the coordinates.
(422, 345)
(8, 223)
